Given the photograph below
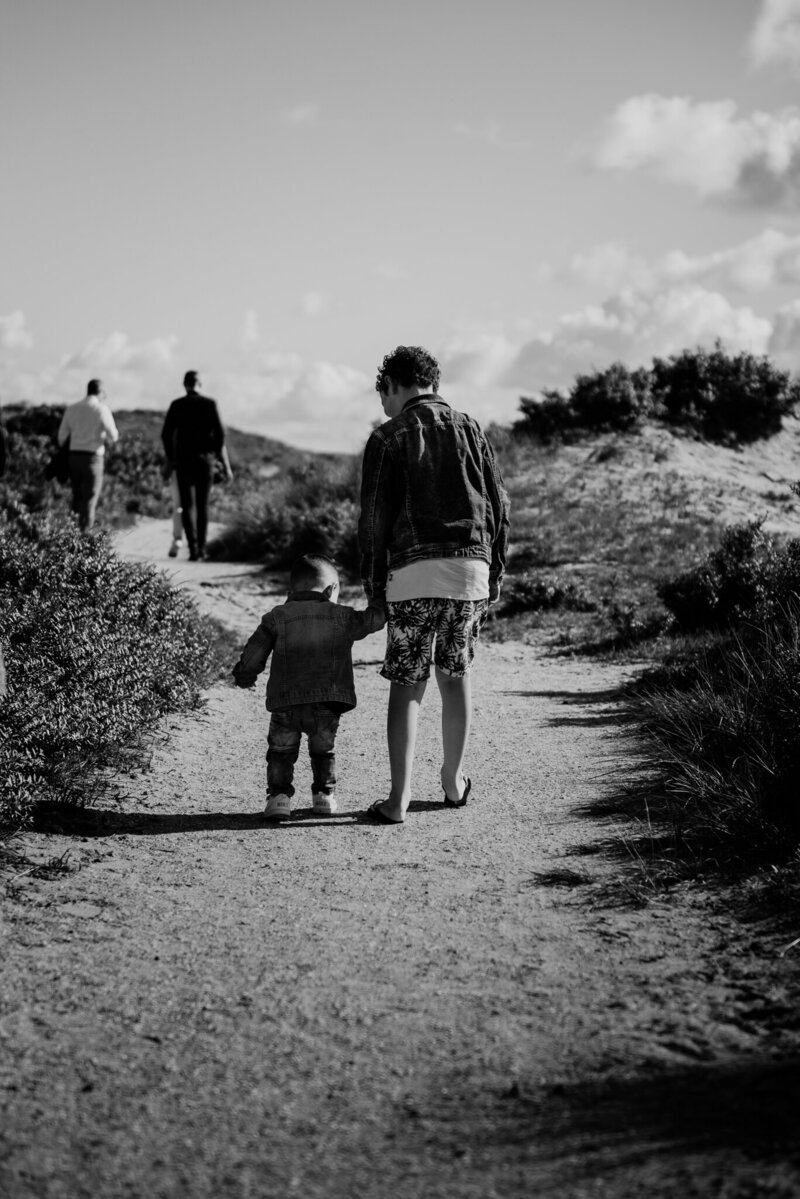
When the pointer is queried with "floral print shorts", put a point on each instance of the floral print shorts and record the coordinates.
(421, 631)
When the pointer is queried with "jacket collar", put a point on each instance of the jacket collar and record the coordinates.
(307, 595)
(428, 398)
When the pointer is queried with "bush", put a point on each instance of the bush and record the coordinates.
(748, 578)
(542, 593)
(606, 401)
(723, 398)
(96, 650)
(312, 509)
(720, 397)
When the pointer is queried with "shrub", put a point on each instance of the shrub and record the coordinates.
(311, 509)
(540, 593)
(96, 650)
(605, 401)
(723, 398)
(747, 578)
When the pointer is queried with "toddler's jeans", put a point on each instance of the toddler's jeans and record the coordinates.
(320, 724)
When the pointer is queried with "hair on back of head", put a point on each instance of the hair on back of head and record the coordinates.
(94, 387)
(409, 366)
(190, 379)
(313, 572)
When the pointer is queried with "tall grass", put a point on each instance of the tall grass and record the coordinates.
(722, 736)
(720, 717)
(96, 650)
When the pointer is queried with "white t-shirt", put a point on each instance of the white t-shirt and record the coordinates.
(440, 578)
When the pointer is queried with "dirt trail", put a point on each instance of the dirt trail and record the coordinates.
(207, 1006)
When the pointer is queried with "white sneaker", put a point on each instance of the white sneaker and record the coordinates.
(279, 807)
(173, 549)
(324, 805)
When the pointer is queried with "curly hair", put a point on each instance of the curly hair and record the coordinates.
(409, 365)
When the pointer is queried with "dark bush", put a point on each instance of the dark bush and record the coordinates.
(313, 508)
(538, 593)
(747, 578)
(721, 397)
(96, 650)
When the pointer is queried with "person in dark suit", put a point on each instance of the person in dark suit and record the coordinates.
(193, 437)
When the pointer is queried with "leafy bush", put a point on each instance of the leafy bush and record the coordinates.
(542, 593)
(747, 578)
(724, 743)
(721, 397)
(96, 650)
(311, 509)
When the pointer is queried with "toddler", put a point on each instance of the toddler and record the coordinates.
(310, 683)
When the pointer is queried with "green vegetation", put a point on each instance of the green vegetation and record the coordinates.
(96, 650)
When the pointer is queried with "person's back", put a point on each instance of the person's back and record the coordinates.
(193, 427)
(433, 534)
(193, 436)
(88, 427)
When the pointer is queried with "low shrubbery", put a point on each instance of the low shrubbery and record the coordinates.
(96, 650)
(543, 593)
(312, 508)
(748, 578)
(711, 394)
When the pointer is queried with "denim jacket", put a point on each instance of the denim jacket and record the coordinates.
(430, 488)
(311, 641)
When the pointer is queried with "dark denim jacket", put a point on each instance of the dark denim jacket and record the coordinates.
(430, 488)
(311, 641)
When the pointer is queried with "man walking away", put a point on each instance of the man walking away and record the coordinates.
(193, 436)
(89, 427)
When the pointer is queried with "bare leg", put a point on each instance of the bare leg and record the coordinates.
(401, 730)
(456, 718)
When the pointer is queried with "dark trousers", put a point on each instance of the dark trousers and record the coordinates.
(286, 727)
(86, 481)
(194, 478)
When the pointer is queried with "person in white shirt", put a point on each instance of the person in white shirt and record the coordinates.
(89, 426)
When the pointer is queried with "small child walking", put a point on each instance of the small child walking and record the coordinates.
(310, 682)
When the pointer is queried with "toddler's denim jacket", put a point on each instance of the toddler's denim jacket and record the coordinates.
(311, 642)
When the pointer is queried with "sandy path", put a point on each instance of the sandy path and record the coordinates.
(213, 1007)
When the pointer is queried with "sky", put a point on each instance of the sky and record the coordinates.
(278, 192)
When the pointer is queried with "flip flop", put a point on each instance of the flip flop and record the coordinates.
(373, 812)
(459, 803)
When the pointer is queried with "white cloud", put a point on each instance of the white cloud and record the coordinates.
(313, 303)
(770, 258)
(300, 114)
(14, 332)
(251, 332)
(753, 159)
(117, 352)
(784, 344)
(776, 35)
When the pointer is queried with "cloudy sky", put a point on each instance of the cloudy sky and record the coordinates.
(277, 192)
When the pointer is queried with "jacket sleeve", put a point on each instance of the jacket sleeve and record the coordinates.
(369, 620)
(217, 430)
(168, 434)
(377, 516)
(255, 653)
(498, 517)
